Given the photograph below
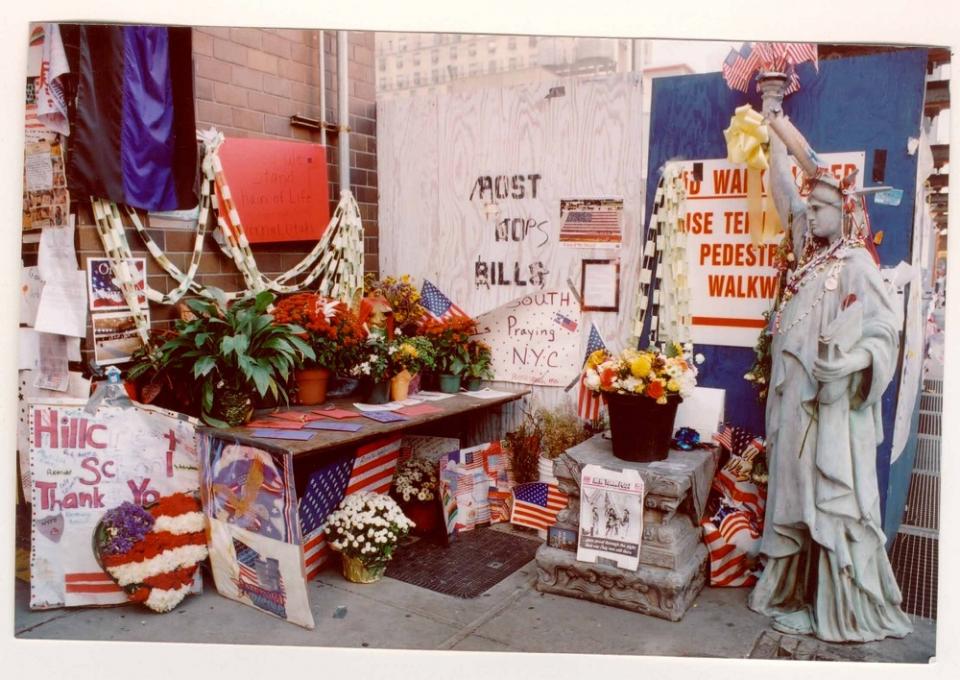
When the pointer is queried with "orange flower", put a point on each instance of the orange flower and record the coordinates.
(654, 389)
(607, 376)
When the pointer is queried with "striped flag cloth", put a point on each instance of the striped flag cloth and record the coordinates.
(588, 401)
(437, 304)
(739, 66)
(374, 466)
(260, 579)
(325, 489)
(536, 505)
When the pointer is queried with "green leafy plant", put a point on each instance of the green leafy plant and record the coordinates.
(413, 354)
(475, 361)
(159, 382)
(374, 357)
(235, 348)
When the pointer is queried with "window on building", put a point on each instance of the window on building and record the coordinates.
(382, 65)
(474, 68)
(434, 57)
(533, 41)
(401, 81)
(491, 46)
(402, 44)
(473, 50)
(453, 52)
(492, 66)
(417, 80)
(416, 60)
(511, 43)
(399, 63)
(513, 63)
(438, 38)
(452, 71)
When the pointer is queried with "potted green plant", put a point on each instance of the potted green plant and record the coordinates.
(408, 356)
(373, 366)
(233, 351)
(474, 365)
(450, 338)
(334, 333)
(161, 383)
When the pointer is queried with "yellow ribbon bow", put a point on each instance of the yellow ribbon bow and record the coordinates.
(746, 139)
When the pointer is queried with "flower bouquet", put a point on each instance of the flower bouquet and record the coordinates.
(642, 390)
(334, 333)
(415, 488)
(373, 366)
(408, 356)
(153, 552)
(401, 295)
(365, 529)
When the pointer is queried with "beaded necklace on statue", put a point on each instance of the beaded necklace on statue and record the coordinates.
(830, 260)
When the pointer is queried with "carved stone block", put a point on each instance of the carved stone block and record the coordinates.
(665, 593)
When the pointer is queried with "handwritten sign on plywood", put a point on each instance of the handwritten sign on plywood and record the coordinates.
(279, 188)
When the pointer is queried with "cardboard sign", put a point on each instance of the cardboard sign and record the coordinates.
(82, 465)
(279, 188)
(732, 281)
(535, 339)
(611, 516)
(255, 543)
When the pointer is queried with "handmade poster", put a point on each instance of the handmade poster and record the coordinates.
(279, 188)
(31, 286)
(115, 337)
(63, 306)
(81, 465)
(56, 255)
(611, 516)
(77, 387)
(600, 285)
(46, 201)
(534, 339)
(591, 222)
(496, 463)
(732, 282)
(103, 293)
(464, 487)
(255, 543)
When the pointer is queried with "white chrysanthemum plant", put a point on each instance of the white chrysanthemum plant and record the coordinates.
(415, 480)
(367, 526)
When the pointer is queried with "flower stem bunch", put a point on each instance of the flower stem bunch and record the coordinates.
(373, 362)
(415, 480)
(402, 297)
(652, 373)
(367, 527)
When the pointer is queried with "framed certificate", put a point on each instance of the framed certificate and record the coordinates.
(600, 285)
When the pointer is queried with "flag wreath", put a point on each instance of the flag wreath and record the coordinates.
(153, 552)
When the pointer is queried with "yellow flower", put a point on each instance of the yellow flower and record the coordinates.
(640, 366)
(673, 386)
(596, 358)
(662, 401)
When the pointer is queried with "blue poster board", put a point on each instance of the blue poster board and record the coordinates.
(868, 103)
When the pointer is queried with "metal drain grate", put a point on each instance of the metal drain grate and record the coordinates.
(933, 386)
(929, 423)
(923, 501)
(928, 454)
(931, 402)
(914, 560)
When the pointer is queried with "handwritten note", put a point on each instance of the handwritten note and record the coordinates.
(53, 373)
(56, 257)
(38, 167)
(31, 285)
(63, 306)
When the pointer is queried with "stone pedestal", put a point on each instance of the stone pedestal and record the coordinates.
(673, 558)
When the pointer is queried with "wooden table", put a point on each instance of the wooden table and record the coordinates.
(459, 405)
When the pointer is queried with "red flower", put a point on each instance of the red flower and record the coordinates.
(607, 376)
(654, 389)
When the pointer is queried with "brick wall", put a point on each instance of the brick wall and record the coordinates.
(248, 82)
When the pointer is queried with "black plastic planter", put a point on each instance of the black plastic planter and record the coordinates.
(641, 429)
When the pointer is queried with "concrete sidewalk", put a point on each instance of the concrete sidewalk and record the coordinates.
(510, 617)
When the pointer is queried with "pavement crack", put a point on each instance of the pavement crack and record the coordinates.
(474, 625)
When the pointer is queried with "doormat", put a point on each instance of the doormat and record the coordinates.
(474, 562)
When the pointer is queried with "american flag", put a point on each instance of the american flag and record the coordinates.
(739, 67)
(374, 466)
(732, 537)
(437, 304)
(325, 489)
(736, 439)
(465, 485)
(569, 324)
(588, 401)
(104, 292)
(591, 225)
(537, 504)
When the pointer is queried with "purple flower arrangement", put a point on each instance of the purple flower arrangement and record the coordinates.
(123, 526)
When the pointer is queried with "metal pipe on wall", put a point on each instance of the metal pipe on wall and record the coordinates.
(323, 87)
(343, 102)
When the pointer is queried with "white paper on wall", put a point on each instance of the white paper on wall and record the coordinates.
(63, 306)
(57, 257)
(31, 285)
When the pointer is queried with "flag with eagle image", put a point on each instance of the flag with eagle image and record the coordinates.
(153, 552)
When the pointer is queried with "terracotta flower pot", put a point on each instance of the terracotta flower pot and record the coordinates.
(355, 571)
(641, 429)
(312, 385)
(449, 383)
(400, 385)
